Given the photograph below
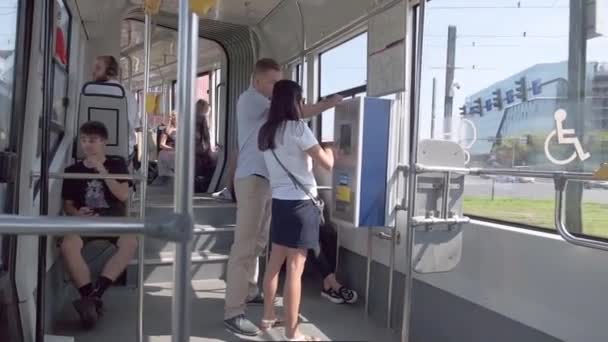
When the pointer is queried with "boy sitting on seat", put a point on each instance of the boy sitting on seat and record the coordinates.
(98, 197)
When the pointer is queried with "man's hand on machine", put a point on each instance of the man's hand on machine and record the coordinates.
(333, 100)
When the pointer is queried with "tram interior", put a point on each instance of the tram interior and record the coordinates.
(505, 274)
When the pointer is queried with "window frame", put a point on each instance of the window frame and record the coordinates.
(57, 128)
(522, 225)
(346, 93)
(174, 87)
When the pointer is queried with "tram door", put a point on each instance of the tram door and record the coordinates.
(17, 21)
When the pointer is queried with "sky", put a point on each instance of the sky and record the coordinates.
(495, 39)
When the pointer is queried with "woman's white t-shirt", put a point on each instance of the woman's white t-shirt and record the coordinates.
(292, 139)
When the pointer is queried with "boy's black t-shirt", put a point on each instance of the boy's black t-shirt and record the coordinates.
(94, 193)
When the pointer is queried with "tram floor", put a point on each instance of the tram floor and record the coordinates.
(318, 317)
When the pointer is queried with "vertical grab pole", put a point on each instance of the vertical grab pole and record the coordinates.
(445, 197)
(143, 186)
(391, 275)
(184, 180)
(412, 179)
(368, 269)
(47, 107)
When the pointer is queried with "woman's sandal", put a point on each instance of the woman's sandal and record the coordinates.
(268, 324)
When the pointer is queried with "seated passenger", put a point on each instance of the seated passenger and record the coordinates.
(95, 198)
(107, 70)
(206, 159)
(166, 156)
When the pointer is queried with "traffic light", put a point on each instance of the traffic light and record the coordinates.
(478, 107)
(463, 110)
(497, 99)
(521, 89)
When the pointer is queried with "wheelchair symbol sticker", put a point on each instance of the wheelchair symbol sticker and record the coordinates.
(467, 143)
(564, 137)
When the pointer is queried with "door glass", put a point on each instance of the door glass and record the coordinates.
(8, 31)
(518, 88)
(8, 35)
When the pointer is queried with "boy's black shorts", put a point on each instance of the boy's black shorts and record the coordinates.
(86, 239)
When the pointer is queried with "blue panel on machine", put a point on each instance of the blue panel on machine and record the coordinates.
(360, 172)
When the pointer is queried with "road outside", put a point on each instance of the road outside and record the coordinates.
(532, 204)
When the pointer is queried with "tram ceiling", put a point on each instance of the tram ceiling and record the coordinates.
(240, 12)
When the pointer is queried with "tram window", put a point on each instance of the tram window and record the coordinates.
(342, 69)
(298, 74)
(62, 33)
(8, 35)
(60, 90)
(61, 80)
(511, 74)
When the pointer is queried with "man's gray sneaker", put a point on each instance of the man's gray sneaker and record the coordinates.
(242, 326)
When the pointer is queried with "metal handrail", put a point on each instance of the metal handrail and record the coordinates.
(560, 185)
(69, 175)
(421, 220)
(172, 227)
(560, 179)
(582, 176)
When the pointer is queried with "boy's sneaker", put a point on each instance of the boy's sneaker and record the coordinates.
(87, 309)
(332, 296)
(223, 195)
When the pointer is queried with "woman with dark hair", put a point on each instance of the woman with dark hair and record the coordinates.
(205, 154)
(290, 148)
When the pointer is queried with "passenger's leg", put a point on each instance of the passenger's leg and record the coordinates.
(228, 193)
(333, 290)
(166, 163)
(262, 242)
(271, 283)
(296, 258)
(87, 306)
(127, 246)
(241, 264)
(71, 250)
(325, 256)
(231, 173)
(330, 284)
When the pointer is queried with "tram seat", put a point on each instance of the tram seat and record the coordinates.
(106, 103)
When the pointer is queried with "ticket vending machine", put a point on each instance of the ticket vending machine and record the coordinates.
(360, 169)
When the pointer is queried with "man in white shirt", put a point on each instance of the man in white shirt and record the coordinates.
(106, 70)
(254, 196)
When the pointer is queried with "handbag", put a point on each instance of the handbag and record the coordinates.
(317, 201)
